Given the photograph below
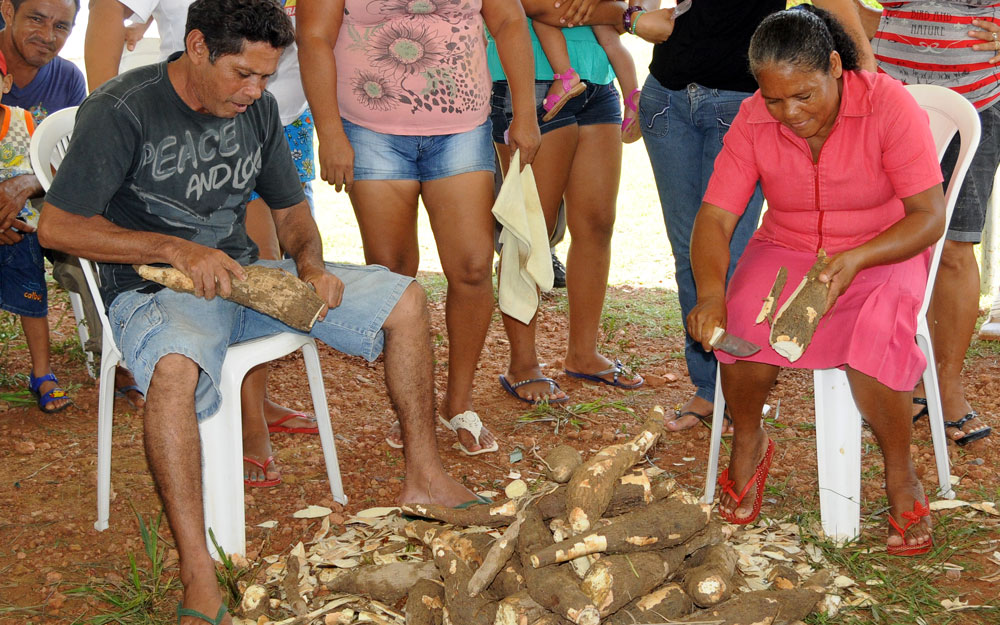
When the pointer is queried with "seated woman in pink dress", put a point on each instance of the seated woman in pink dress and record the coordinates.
(847, 163)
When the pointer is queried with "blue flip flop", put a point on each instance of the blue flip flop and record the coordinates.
(125, 390)
(512, 389)
(617, 369)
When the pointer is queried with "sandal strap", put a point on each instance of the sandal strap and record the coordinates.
(919, 511)
(553, 386)
(566, 77)
(36, 383)
(468, 420)
(260, 465)
(958, 424)
(630, 101)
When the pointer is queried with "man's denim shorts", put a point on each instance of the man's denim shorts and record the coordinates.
(597, 105)
(148, 326)
(969, 218)
(22, 278)
(380, 156)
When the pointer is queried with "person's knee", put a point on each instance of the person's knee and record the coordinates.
(410, 310)
(597, 228)
(176, 371)
(473, 272)
(958, 258)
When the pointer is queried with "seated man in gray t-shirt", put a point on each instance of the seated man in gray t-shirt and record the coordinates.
(159, 170)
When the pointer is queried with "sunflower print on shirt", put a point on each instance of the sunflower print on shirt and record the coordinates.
(419, 55)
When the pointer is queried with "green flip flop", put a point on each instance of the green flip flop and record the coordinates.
(182, 612)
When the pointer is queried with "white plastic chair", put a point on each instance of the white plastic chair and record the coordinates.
(838, 421)
(147, 52)
(221, 434)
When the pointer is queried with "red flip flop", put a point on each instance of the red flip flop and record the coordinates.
(759, 478)
(911, 518)
(277, 427)
(263, 467)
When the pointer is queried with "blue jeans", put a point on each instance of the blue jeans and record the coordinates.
(683, 133)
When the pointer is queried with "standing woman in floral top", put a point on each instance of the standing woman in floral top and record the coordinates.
(400, 93)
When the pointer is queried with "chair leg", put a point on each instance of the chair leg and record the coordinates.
(81, 329)
(715, 440)
(315, 375)
(838, 455)
(105, 418)
(935, 418)
(222, 468)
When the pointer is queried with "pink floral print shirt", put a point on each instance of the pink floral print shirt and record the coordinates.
(413, 67)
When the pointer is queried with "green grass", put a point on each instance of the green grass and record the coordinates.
(144, 596)
(904, 593)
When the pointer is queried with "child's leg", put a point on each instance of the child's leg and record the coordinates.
(619, 56)
(567, 83)
(624, 68)
(36, 335)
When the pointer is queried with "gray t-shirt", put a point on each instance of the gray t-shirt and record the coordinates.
(146, 161)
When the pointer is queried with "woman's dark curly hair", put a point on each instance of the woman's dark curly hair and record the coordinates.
(804, 36)
(229, 24)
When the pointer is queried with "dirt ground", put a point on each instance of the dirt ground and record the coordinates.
(48, 545)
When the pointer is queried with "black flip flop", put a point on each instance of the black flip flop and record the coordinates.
(920, 401)
(970, 437)
(705, 419)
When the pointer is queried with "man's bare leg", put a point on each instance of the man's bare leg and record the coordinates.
(952, 320)
(173, 451)
(409, 377)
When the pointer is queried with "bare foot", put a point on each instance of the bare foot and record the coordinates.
(437, 488)
(125, 385)
(534, 391)
(201, 594)
(902, 494)
(276, 412)
(748, 451)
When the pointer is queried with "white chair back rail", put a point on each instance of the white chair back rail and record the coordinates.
(221, 434)
(838, 421)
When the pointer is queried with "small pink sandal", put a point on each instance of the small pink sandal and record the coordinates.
(630, 125)
(554, 103)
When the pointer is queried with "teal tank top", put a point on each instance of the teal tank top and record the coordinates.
(585, 54)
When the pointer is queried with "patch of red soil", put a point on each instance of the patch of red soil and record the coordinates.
(47, 496)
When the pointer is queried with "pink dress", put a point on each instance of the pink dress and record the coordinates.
(880, 150)
(413, 67)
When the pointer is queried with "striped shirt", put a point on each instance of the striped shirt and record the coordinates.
(927, 42)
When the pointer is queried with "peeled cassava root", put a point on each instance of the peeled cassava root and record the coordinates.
(795, 323)
(590, 489)
(268, 290)
(662, 524)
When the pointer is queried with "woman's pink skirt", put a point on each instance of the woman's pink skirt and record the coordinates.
(871, 328)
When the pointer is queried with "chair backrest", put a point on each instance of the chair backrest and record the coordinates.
(949, 113)
(146, 52)
(49, 144)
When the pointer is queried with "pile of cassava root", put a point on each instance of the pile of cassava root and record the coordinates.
(603, 543)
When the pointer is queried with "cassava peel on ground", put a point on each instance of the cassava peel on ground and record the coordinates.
(387, 583)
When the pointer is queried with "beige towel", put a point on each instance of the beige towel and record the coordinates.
(525, 260)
